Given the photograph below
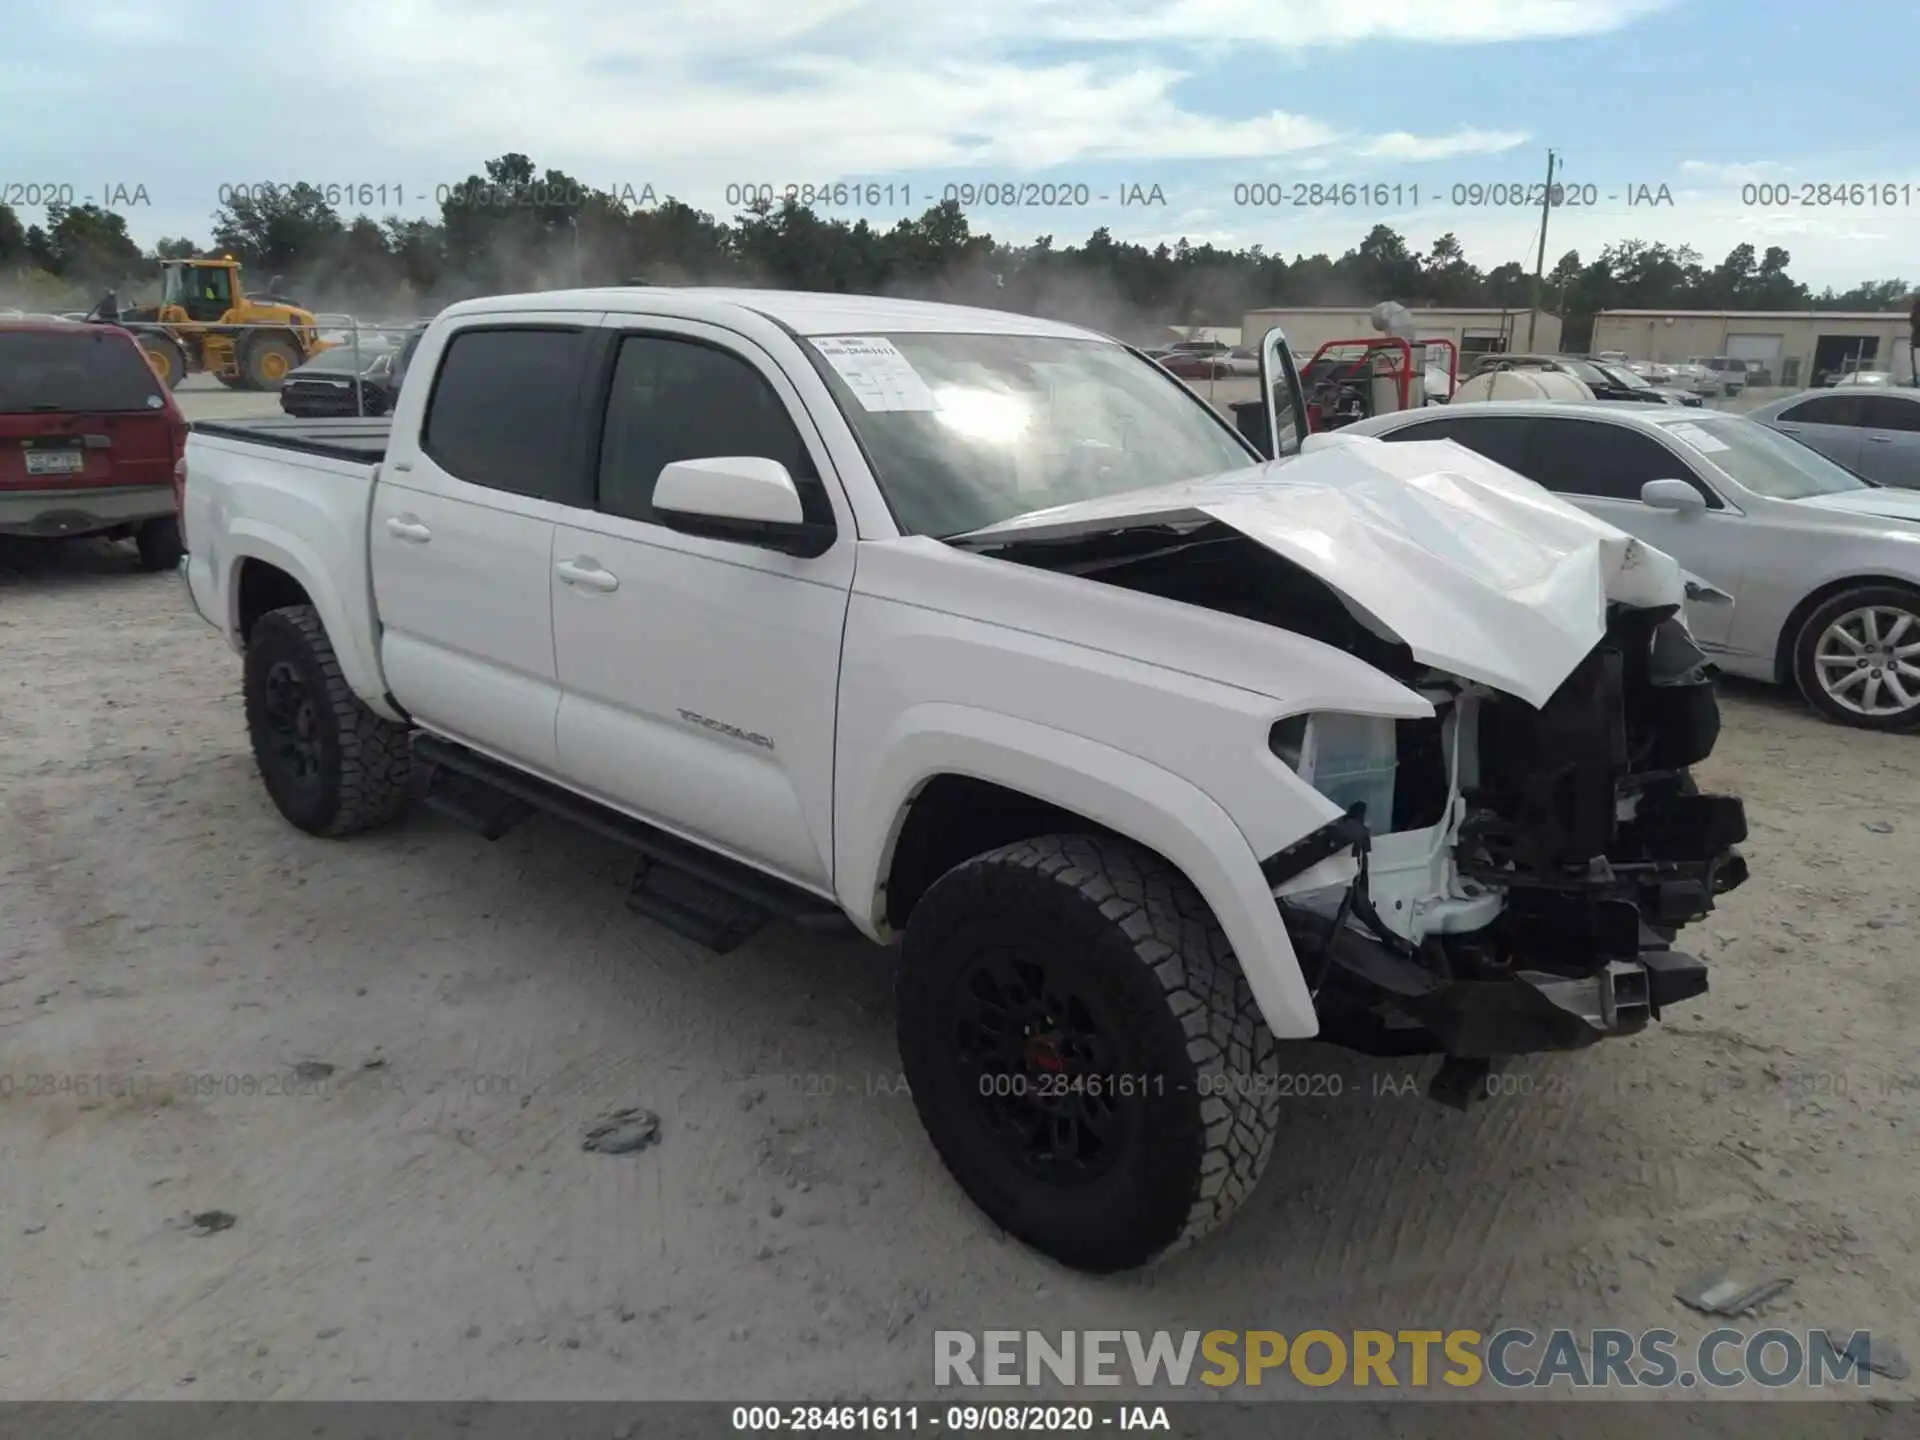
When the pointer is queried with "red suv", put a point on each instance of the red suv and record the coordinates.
(91, 443)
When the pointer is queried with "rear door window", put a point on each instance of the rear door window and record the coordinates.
(1826, 410)
(73, 371)
(1501, 438)
(502, 403)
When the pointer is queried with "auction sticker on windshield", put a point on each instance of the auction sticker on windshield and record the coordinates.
(1697, 438)
(880, 377)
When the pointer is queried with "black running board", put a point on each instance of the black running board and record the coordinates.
(710, 899)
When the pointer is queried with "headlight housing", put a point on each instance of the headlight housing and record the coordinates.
(1350, 759)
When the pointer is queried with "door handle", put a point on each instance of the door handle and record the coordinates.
(412, 530)
(585, 575)
(1881, 439)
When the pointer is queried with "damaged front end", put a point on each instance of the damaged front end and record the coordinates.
(1536, 864)
(1527, 854)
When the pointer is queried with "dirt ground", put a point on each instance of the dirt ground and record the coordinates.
(378, 1057)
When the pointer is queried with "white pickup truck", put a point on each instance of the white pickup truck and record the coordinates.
(986, 634)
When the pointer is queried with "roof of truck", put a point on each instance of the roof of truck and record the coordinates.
(804, 311)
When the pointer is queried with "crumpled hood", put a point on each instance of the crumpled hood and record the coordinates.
(1881, 502)
(1477, 570)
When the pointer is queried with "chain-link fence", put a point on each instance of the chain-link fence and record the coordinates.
(340, 365)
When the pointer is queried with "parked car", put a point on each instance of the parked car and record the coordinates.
(1847, 372)
(1873, 432)
(978, 632)
(89, 438)
(327, 384)
(1692, 375)
(1823, 566)
(1198, 364)
(1604, 384)
(1731, 373)
(1667, 394)
(1867, 377)
(1612, 357)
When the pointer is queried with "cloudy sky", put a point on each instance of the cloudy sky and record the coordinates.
(1224, 105)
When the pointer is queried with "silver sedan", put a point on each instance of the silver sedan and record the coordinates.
(1823, 566)
(1872, 430)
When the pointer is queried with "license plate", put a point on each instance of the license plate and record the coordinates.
(55, 462)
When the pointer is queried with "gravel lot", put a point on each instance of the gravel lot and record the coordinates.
(419, 1219)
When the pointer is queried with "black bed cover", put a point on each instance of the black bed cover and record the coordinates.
(342, 437)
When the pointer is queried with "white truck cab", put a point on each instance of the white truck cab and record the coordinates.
(986, 635)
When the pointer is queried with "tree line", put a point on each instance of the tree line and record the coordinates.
(517, 228)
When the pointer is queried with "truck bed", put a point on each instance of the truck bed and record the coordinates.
(344, 437)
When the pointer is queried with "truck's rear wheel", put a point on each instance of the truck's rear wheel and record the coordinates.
(330, 764)
(1084, 1051)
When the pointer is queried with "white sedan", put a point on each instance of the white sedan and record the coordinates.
(1824, 566)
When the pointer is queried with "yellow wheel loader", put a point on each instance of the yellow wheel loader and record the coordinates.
(206, 322)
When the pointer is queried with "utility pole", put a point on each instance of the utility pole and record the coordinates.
(1540, 260)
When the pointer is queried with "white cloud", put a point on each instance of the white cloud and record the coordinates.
(1399, 145)
(1747, 172)
(1304, 24)
(778, 90)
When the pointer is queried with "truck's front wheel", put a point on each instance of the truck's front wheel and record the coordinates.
(1084, 1051)
(329, 763)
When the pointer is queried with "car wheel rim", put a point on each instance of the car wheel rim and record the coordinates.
(293, 728)
(1868, 661)
(1039, 1067)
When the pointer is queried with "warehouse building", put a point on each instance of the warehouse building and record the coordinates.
(1789, 348)
(1472, 331)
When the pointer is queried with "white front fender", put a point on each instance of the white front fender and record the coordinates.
(1128, 795)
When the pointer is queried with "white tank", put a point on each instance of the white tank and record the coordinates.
(1521, 385)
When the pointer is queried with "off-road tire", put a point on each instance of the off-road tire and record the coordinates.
(1131, 937)
(169, 352)
(1806, 643)
(255, 357)
(365, 762)
(159, 544)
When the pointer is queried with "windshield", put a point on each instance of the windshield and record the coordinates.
(1620, 375)
(1586, 372)
(965, 431)
(187, 285)
(339, 359)
(63, 372)
(1763, 460)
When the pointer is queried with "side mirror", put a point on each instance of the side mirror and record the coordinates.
(1675, 495)
(744, 498)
